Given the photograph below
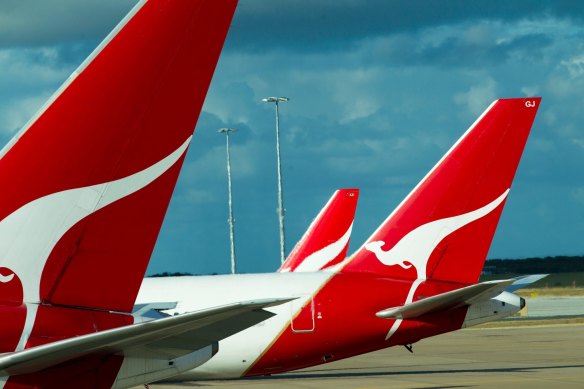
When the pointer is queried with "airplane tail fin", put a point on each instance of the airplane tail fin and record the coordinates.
(443, 229)
(326, 241)
(88, 180)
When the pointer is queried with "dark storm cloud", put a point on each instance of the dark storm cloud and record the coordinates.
(329, 25)
(30, 23)
(262, 25)
(74, 28)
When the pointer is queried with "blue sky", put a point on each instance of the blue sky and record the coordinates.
(379, 91)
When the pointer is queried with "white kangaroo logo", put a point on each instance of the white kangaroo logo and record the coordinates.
(385, 257)
(317, 260)
(31, 232)
(5, 279)
(416, 247)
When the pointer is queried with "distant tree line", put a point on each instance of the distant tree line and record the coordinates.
(546, 265)
(168, 274)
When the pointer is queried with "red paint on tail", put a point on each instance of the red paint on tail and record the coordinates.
(474, 174)
(332, 226)
(133, 103)
(450, 216)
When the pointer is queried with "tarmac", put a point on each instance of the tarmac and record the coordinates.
(555, 306)
(517, 357)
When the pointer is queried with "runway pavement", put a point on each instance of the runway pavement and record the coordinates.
(548, 306)
(520, 357)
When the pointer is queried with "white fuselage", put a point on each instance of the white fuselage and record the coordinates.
(351, 308)
(238, 352)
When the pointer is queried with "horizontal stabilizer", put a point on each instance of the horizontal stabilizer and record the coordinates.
(165, 338)
(153, 310)
(523, 282)
(449, 300)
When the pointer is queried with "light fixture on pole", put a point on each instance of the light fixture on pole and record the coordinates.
(278, 100)
(227, 131)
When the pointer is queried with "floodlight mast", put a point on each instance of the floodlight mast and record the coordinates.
(278, 100)
(231, 221)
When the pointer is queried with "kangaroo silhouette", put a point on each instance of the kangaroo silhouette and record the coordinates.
(42, 223)
(416, 247)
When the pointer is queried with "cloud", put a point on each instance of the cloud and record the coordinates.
(58, 21)
(379, 90)
(578, 194)
(261, 26)
(337, 25)
(14, 114)
(575, 66)
(477, 97)
(198, 196)
(483, 44)
(31, 67)
(27, 78)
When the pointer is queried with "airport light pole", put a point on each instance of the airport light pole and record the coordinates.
(277, 101)
(227, 131)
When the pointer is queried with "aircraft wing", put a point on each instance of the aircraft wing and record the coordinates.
(449, 300)
(165, 338)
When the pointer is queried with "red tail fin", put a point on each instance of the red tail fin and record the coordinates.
(89, 180)
(326, 241)
(444, 227)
